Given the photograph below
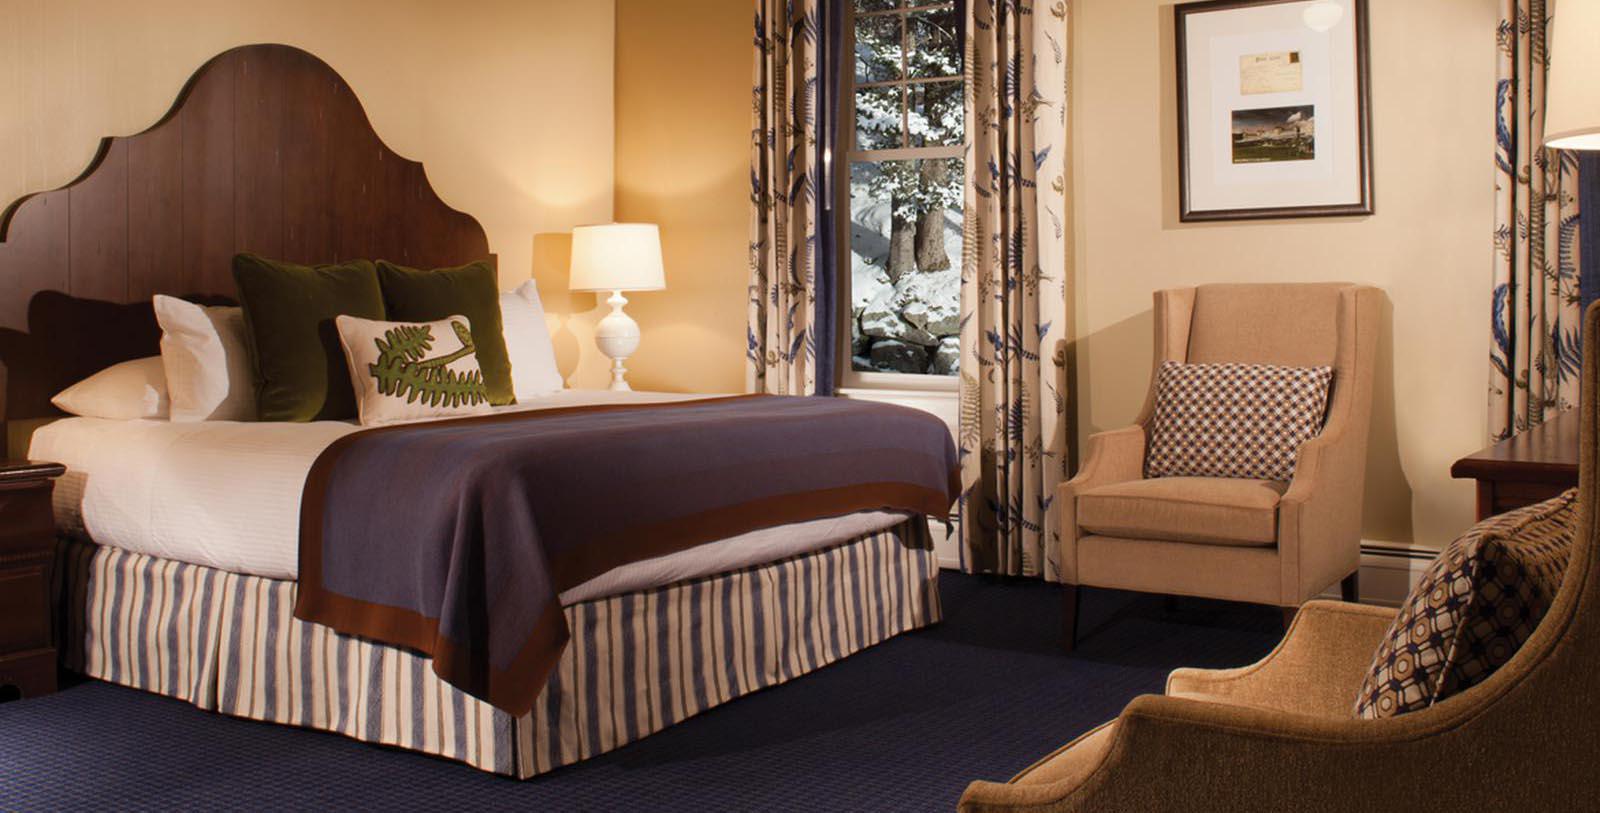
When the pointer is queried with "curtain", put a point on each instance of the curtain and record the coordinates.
(1013, 287)
(1535, 360)
(1588, 231)
(789, 348)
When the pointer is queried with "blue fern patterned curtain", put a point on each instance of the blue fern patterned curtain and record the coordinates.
(1536, 357)
(1013, 296)
(782, 356)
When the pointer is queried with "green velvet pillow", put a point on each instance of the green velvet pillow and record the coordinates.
(288, 314)
(471, 290)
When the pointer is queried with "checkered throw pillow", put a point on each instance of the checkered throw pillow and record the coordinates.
(1473, 609)
(1234, 420)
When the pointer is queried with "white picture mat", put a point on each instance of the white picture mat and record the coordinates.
(1214, 43)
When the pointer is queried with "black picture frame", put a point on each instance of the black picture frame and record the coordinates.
(1362, 207)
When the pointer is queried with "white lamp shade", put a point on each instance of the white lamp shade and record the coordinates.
(617, 257)
(1572, 93)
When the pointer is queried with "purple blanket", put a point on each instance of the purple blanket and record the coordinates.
(456, 537)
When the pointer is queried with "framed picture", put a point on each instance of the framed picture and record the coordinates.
(1273, 113)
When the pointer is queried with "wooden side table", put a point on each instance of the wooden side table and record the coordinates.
(1528, 468)
(27, 550)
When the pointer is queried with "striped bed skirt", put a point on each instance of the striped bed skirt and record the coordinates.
(637, 663)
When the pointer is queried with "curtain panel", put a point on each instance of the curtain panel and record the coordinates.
(1536, 355)
(1013, 291)
(783, 354)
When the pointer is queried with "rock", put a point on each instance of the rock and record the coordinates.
(916, 335)
(860, 345)
(947, 359)
(895, 356)
(881, 319)
(931, 301)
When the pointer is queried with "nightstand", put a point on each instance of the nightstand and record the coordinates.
(1532, 467)
(27, 550)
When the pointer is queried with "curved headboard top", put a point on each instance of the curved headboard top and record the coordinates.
(266, 150)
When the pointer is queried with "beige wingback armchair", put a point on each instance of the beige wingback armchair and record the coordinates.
(1274, 543)
(1281, 734)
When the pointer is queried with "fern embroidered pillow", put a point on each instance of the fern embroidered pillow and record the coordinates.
(408, 371)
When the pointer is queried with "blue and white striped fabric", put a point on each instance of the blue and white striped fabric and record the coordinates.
(638, 662)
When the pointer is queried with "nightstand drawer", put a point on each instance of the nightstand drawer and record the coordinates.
(27, 554)
(24, 609)
(27, 526)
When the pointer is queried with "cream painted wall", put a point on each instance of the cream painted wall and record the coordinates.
(683, 161)
(1427, 247)
(507, 102)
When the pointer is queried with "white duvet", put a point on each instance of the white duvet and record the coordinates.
(226, 495)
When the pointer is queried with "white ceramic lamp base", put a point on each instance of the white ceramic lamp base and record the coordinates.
(618, 336)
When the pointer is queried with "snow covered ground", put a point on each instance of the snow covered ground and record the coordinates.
(912, 326)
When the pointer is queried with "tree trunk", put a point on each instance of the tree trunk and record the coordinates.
(902, 246)
(931, 255)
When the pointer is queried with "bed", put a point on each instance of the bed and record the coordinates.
(178, 565)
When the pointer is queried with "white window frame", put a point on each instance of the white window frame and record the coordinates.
(923, 390)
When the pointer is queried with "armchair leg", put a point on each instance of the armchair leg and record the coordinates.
(1350, 588)
(1071, 599)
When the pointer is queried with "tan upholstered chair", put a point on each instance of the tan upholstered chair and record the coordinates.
(1274, 543)
(1281, 734)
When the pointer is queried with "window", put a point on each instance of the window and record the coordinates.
(903, 128)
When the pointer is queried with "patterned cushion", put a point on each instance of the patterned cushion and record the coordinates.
(1472, 609)
(1234, 420)
(408, 371)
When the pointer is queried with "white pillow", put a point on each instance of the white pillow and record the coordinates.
(406, 371)
(203, 350)
(533, 358)
(122, 392)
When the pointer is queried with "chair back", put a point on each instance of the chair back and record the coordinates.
(1552, 684)
(1294, 325)
(1291, 324)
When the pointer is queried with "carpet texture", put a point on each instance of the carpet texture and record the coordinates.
(902, 726)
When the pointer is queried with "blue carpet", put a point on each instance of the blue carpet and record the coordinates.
(902, 726)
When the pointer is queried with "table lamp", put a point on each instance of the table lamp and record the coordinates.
(617, 257)
(1572, 90)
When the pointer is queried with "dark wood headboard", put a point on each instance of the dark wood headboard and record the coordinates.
(266, 150)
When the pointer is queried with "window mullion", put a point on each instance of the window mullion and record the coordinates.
(922, 80)
(889, 12)
(908, 153)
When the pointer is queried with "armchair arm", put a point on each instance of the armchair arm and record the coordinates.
(1319, 516)
(1302, 692)
(1317, 669)
(1109, 457)
(1112, 457)
(1168, 753)
(1177, 753)
(1320, 460)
